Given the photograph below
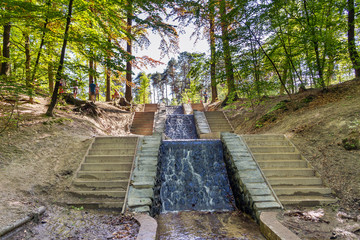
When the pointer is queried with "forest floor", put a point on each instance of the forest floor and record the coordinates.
(38, 156)
(320, 124)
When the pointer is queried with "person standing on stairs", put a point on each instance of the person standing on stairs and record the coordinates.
(92, 87)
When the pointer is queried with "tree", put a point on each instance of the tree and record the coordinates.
(59, 72)
(354, 56)
(229, 68)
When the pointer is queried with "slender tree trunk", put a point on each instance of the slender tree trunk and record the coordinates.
(29, 83)
(128, 93)
(214, 95)
(5, 66)
(40, 48)
(354, 56)
(91, 77)
(94, 72)
(108, 77)
(51, 77)
(108, 85)
(49, 112)
(229, 69)
(316, 47)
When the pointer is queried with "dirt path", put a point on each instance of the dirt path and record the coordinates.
(38, 159)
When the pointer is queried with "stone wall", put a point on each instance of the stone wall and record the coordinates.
(251, 192)
(141, 192)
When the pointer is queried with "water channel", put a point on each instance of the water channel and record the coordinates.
(193, 197)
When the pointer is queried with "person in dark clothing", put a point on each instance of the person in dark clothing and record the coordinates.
(205, 96)
(92, 87)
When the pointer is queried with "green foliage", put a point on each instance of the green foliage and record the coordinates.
(351, 143)
(272, 114)
(61, 121)
(77, 208)
(143, 95)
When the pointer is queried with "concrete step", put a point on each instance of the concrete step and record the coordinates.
(142, 132)
(271, 143)
(267, 137)
(289, 172)
(106, 166)
(283, 164)
(306, 201)
(90, 203)
(198, 107)
(296, 181)
(102, 175)
(116, 139)
(121, 184)
(114, 145)
(144, 113)
(301, 190)
(277, 156)
(221, 130)
(143, 119)
(109, 159)
(99, 193)
(150, 107)
(272, 149)
(213, 113)
(144, 124)
(112, 151)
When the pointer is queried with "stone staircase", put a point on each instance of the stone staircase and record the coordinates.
(198, 107)
(102, 179)
(143, 123)
(150, 107)
(218, 122)
(293, 180)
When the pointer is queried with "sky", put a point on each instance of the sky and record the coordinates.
(186, 43)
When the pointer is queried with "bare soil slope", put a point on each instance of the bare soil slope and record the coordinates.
(318, 123)
(38, 155)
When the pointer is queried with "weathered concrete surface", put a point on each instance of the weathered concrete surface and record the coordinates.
(148, 227)
(202, 126)
(160, 118)
(187, 108)
(252, 193)
(141, 191)
(291, 177)
(272, 229)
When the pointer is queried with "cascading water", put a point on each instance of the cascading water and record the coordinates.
(192, 173)
(193, 176)
(174, 110)
(180, 126)
(192, 180)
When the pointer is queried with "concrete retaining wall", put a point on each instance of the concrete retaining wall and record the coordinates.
(251, 192)
(141, 192)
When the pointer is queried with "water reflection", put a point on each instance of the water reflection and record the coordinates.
(207, 225)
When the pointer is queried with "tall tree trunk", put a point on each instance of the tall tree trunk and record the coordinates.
(49, 112)
(315, 42)
(354, 56)
(5, 66)
(40, 48)
(108, 85)
(108, 77)
(229, 69)
(29, 83)
(51, 77)
(128, 93)
(214, 94)
(94, 72)
(91, 77)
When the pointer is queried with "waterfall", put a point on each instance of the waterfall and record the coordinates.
(193, 176)
(180, 126)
